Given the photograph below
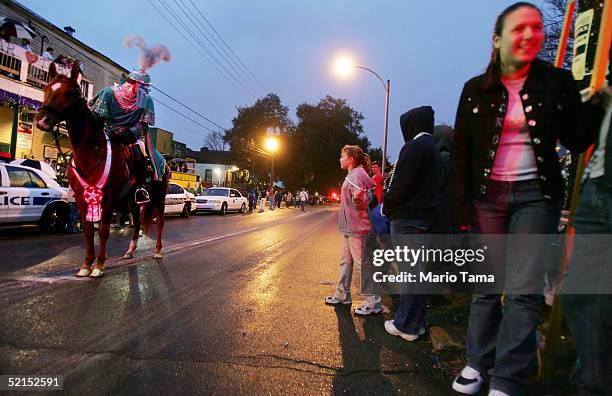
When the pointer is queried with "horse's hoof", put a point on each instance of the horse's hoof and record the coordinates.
(128, 256)
(83, 272)
(96, 273)
(157, 255)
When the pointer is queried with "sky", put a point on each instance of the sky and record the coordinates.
(427, 48)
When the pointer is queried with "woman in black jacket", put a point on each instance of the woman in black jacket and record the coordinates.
(507, 180)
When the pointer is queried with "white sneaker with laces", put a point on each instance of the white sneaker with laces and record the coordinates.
(469, 381)
(391, 329)
(368, 309)
(333, 300)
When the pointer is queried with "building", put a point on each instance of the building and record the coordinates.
(215, 167)
(23, 74)
(179, 150)
(162, 140)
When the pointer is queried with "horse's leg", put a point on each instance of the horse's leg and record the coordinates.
(160, 229)
(135, 211)
(103, 232)
(90, 255)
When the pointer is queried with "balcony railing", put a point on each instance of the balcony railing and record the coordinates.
(18, 64)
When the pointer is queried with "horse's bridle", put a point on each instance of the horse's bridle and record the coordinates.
(57, 118)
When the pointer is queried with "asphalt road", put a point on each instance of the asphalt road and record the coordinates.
(234, 307)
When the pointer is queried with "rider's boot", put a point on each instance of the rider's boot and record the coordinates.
(141, 196)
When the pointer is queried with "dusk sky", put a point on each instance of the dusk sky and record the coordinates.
(428, 49)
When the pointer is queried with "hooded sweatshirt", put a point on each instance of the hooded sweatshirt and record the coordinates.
(354, 199)
(414, 187)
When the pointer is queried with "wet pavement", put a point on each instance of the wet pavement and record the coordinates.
(235, 306)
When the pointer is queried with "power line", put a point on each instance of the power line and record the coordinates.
(178, 112)
(191, 43)
(226, 45)
(187, 107)
(205, 33)
(202, 45)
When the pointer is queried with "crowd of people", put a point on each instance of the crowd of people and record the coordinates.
(282, 198)
(500, 175)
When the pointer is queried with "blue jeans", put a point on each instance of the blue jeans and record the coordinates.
(589, 316)
(501, 339)
(410, 315)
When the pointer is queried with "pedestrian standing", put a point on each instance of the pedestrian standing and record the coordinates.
(411, 203)
(251, 200)
(354, 224)
(271, 199)
(507, 180)
(289, 199)
(303, 197)
(587, 295)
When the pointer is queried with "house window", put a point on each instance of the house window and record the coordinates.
(208, 175)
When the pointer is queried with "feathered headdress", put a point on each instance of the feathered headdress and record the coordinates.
(148, 58)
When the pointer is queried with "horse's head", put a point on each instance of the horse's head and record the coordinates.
(60, 96)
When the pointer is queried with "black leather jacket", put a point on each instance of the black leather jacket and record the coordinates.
(552, 107)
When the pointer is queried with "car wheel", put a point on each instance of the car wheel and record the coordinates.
(186, 210)
(54, 219)
(243, 208)
(223, 210)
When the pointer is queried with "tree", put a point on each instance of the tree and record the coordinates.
(376, 154)
(215, 141)
(249, 129)
(554, 15)
(323, 129)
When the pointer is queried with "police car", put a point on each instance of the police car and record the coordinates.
(221, 199)
(28, 195)
(179, 201)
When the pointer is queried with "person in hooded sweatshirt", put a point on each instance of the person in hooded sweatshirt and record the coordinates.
(354, 223)
(411, 203)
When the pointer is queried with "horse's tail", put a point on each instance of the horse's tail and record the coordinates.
(156, 205)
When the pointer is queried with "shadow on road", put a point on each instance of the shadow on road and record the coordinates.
(362, 370)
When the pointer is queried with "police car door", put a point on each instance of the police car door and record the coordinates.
(27, 195)
(4, 189)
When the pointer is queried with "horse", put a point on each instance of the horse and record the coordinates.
(100, 172)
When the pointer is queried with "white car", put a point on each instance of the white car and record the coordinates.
(29, 195)
(221, 199)
(179, 201)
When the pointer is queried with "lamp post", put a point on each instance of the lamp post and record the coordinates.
(271, 147)
(344, 66)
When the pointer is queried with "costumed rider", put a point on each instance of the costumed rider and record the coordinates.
(127, 111)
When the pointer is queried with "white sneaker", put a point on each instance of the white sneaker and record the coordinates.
(391, 329)
(368, 309)
(333, 300)
(469, 381)
(495, 392)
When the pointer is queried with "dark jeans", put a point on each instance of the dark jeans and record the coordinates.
(589, 316)
(501, 339)
(410, 315)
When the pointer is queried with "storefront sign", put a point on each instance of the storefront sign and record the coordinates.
(24, 135)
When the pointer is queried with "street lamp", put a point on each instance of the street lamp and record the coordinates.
(271, 144)
(343, 67)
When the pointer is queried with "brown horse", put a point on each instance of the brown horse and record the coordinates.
(97, 159)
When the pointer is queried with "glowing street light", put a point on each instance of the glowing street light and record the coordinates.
(343, 67)
(271, 144)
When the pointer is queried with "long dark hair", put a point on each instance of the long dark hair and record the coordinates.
(495, 62)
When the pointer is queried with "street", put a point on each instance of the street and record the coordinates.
(235, 306)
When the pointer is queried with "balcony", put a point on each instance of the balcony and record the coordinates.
(25, 74)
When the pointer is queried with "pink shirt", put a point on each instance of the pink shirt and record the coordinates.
(515, 159)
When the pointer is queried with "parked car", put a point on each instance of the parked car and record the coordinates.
(179, 201)
(30, 196)
(222, 200)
